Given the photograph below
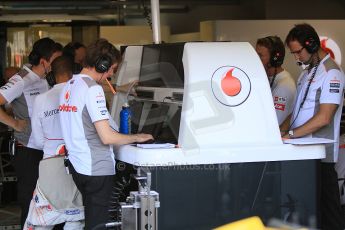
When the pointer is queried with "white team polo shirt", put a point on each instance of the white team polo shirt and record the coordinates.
(46, 129)
(326, 88)
(283, 93)
(82, 102)
(21, 91)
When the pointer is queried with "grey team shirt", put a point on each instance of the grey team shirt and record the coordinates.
(21, 91)
(82, 102)
(326, 88)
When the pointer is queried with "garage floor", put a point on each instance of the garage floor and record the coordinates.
(9, 216)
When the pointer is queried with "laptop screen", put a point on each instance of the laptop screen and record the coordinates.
(160, 120)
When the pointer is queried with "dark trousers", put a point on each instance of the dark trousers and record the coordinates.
(96, 192)
(331, 213)
(26, 162)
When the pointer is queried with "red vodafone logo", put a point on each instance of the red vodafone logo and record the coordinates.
(67, 96)
(230, 85)
(60, 150)
(331, 47)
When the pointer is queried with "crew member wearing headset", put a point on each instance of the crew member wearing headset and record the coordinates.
(271, 51)
(317, 113)
(56, 198)
(20, 91)
(87, 133)
(77, 52)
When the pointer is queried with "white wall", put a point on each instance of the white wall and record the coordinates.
(131, 35)
(251, 30)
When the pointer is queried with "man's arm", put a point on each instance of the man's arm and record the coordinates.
(284, 127)
(95, 104)
(323, 117)
(18, 125)
(108, 136)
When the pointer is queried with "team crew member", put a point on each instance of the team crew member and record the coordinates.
(317, 113)
(77, 52)
(271, 51)
(20, 91)
(87, 133)
(55, 188)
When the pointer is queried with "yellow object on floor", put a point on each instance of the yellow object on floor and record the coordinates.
(252, 223)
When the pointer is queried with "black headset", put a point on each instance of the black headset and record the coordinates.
(103, 64)
(311, 45)
(276, 56)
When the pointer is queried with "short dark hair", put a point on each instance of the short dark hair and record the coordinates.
(43, 48)
(100, 48)
(58, 46)
(302, 33)
(274, 45)
(62, 65)
(70, 48)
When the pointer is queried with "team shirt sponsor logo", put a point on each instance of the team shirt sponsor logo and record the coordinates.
(67, 96)
(68, 108)
(279, 106)
(334, 90)
(10, 83)
(51, 112)
(60, 150)
(334, 85)
(100, 95)
(279, 99)
(104, 112)
(335, 80)
(34, 93)
(29, 225)
(49, 207)
(37, 200)
(14, 80)
(100, 101)
(72, 212)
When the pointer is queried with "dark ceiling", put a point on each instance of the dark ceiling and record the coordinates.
(100, 9)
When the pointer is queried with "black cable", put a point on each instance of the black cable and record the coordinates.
(274, 77)
(100, 80)
(117, 193)
(259, 185)
(147, 13)
(307, 91)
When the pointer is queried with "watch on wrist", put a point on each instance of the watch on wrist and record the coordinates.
(291, 133)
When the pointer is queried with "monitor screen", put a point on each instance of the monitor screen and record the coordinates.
(161, 66)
